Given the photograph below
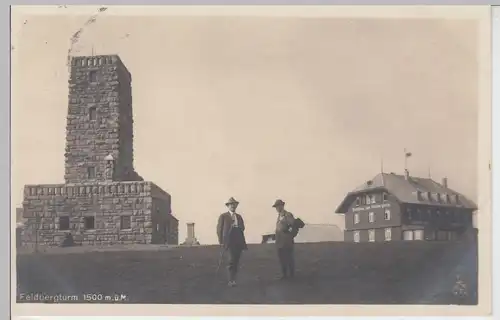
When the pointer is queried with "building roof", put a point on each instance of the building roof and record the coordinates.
(407, 191)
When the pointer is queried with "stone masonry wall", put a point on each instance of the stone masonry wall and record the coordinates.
(107, 202)
(166, 226)
(99, 120)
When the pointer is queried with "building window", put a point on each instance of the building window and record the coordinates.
(388, 235)
(385, 197)
(447, 198)
(125, 222)
(408, 235)
(368, 198)
(89, 222)
(356, 236)
(418, 235)
(356, 218)
(372, 199)
(63, 223)
(91, 172)
(371, 217)
(93, 76)
(92, 113)
(387, 214)
(371, 235)
(358, 201)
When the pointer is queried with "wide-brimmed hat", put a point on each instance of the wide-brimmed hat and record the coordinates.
(278, 202)
(231, 201)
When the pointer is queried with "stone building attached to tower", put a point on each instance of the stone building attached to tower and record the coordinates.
(103, 200)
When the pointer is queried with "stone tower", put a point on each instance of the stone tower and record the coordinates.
(99, 131)
(103, 200)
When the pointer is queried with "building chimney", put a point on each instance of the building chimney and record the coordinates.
(444, 182)
(407, 174)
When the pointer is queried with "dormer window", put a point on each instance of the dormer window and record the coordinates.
(429, 197)
(456, 198)
(368, 199)
(419, 195)
(385, 197)
(372, 197)
(358, 201)
(447, 198)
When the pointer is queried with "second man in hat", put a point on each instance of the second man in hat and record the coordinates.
(284, 239)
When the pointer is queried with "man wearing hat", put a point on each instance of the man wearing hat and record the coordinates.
(230, 231)
(284, 239)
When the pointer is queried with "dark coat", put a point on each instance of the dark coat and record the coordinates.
(284, 236)
(230, 237)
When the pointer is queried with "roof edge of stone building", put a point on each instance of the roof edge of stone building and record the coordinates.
(159, 191)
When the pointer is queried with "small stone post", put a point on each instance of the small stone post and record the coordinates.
(190, 231)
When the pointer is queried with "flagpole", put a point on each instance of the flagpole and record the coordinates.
(406, 159)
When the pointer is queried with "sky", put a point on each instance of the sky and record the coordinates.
(259, 108)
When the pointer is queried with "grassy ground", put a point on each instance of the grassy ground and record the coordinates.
(327, 273)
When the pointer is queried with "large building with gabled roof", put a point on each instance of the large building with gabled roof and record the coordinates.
(401, 207)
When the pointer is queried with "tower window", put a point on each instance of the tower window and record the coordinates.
(92, 113)
(89, 223)
(125, 222)
(93, 76)
(64, 223)
(91, 172)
